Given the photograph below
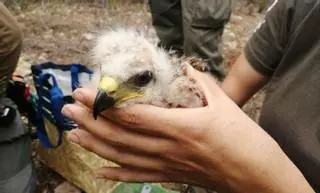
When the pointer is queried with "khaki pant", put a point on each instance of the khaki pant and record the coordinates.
(193, 27)
(10, 46)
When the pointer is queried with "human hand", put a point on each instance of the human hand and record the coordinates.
(216, 146)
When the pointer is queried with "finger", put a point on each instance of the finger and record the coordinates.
(148, 119)
(145, 118)
(207, 83)
(136, 175)
(131, 175)
(116, 155)
(85, 95)
(170, 123)
(116, 134)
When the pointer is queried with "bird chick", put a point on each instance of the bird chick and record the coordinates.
(133, 70)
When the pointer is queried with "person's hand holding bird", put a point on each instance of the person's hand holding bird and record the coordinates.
(213, 145)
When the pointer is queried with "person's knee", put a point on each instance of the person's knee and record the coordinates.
(10, 45)
(16, 34)
(10, 32)
(14, 38)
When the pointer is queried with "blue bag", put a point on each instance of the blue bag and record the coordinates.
(54, 84)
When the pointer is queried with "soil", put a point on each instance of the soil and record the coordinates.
(62, 32)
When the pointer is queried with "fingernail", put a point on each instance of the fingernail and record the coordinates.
(66, 111)
(78, 95)
(73, 137)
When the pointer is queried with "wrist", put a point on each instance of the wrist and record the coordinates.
(263, 168)
(273, 173)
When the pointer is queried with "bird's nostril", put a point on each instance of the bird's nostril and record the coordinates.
(112, 92)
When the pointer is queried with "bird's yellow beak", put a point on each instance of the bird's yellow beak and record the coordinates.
(111, 94)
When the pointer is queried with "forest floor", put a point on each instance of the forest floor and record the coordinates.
(62, 32)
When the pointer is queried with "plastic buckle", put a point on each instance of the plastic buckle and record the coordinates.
(7, 115)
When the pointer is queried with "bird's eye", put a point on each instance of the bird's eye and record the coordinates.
(143, 78)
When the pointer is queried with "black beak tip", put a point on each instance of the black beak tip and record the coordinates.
(101, 103)
(95, 114)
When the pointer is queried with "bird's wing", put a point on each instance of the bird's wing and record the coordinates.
(197, 63)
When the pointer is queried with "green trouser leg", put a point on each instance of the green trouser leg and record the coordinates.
(203, 25)
(193, 27)
(167, 20)
(10, 46)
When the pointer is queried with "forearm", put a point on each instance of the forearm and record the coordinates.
(257, 164)
(242, 81)
(272, 167)
(276, 173)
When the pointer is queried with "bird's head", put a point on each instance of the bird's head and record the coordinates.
(131, 69)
